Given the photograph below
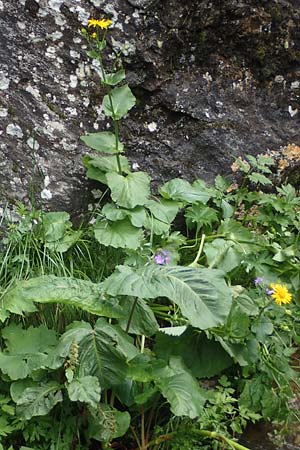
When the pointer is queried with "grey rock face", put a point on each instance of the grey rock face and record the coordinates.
(214, 80)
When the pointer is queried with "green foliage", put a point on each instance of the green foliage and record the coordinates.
(98, 344)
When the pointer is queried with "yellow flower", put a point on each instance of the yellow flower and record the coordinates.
(281, 294)
(103, 23)
(94, 35)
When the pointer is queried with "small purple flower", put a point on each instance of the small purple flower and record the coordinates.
(162, 258)
(270, 291)
(258, 281)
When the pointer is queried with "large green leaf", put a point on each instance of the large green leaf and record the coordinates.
(104, 351)
(55, 225)
(119, 234)
(81, 294)
(39, 400)
(205, 358)
(129, 191)
(143, 320)
(183, 393)
(181, 190)
(26, 350)
(85, 389)
(118, 102)
(202, 294)
(105, 142)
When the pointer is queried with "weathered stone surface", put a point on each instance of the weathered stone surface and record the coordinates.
(214, 80)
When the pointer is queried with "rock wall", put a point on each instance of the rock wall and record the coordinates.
(214, 80)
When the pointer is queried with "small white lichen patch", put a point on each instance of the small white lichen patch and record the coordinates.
(4, 81)
(14, 130)
(152, 127)
(50, 52)
(73, 81)
(55, 4)
(46, 194)
(33, 91)
(295, 85)
(21, 25)
(74, 55)
(33, 143)
(3, 112)
(60, 20)
(292, 111)
(55, 36)
(46, 181)
(1, 5)
(135, 166)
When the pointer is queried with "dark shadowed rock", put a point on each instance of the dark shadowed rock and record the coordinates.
(214, 80)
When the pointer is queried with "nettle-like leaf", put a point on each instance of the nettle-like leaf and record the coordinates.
(104, 351)
(129, 191)
(118, 102)
(202, 294)
(38, 400)
(119, 234)
(105, 142)
(81, 294)
(182, 190)
(26, 350)
(85, 389)
(107, 423)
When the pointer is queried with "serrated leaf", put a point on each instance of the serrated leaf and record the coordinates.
(182, 190)
(105, 142)
(85, 389)
(202, 294)
(129, 191)
(201, 215)
(119, 234)
(118, 102)
(39, 400)
(81, 294)
(258, 178)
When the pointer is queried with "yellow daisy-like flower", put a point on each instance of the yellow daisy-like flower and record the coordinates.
(280, 294)
(103, 23)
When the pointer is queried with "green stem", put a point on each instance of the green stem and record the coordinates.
(194, 263)
(131, 314)
(202, 433)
